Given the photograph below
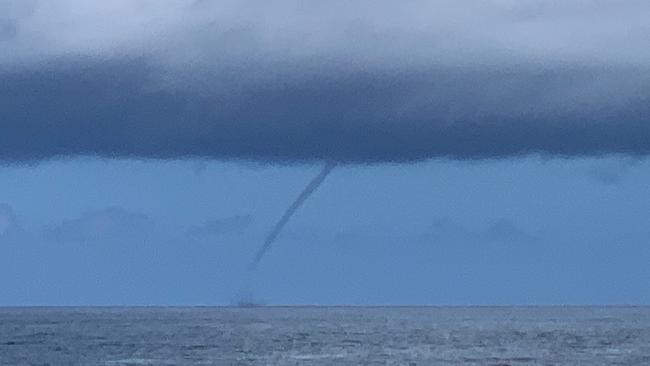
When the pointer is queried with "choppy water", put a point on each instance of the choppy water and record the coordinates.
(325, 336)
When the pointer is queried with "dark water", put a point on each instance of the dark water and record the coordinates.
(325, 336)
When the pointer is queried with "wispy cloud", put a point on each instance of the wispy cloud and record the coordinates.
(94, 225)
(8, 222)
(611, 172)
(501, 231)
(233, 225)
(504, 230)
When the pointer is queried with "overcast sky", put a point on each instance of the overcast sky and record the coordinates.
(486, 152)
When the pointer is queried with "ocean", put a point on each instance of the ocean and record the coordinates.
(325, 336)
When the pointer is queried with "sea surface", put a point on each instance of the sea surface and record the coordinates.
(326, 336)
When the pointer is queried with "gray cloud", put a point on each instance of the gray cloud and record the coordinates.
(352, 82)
(111, 222)
(233, 225)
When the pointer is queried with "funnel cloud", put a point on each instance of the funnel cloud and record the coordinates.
(302, 197)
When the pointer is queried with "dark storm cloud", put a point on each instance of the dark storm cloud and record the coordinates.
(367, 82)
(110, 222)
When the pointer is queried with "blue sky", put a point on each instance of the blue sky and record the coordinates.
(527, 231)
